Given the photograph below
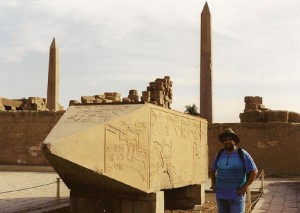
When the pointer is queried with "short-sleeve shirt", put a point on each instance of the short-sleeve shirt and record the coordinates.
(231, 173)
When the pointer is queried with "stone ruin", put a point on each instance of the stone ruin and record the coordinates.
(31, 103)
(127, 158)
(24, 104)
(158, 92)
(255, 111)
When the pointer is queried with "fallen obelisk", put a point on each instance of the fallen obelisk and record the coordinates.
(129, 157)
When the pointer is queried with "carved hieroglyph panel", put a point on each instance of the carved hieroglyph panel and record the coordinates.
(79, 118)
(97, 113)
(175, 149)
(126, 152)
(81, 134)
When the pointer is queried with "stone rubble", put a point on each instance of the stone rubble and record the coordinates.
(255, 111)
(158, 92)
(31, 103)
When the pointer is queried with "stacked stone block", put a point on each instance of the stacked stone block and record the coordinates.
(294, 117)
(107, 97)
(132, 97)
(35, 103)
(159, 92)
(255, 111)
(253, 103)
(32, 103)
(277, 116)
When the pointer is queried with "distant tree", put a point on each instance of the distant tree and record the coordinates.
(191, 109)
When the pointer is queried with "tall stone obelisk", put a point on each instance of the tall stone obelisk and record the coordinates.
(206, 66)
(53, 78)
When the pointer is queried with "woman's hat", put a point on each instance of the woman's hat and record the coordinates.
(229, 133)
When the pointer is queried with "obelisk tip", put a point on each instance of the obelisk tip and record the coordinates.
(205, 8)
(53, 44)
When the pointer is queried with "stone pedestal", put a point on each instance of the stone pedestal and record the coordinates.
(92, 202)
(185, 197)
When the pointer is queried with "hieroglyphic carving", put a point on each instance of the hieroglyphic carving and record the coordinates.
(266, 144)
(96, 113)
(126, 150)
(175, 142)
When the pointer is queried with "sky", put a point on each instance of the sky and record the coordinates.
(116, 46)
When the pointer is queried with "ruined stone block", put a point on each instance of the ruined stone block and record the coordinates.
(161, 80)
(277, 116)
(159, 84)
(119, 148)
(102, 96)
(145, 99)
(146, 93)
(116, 94)
(108, 94)
(126, 100)
(12, 102)
(252, 116)
(113, 98)
(107, 101)
(158, 93)
(133, 97)
(253, 99)
(73, 102)
(133, 92)
(87, 99)
(294, 117)
(251, 106)
(35, 103)
(98, 100)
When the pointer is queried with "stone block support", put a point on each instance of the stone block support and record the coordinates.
(185, 198)
(94, 202)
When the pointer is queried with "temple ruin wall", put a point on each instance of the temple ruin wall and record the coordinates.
(21, 135)
(275, 147)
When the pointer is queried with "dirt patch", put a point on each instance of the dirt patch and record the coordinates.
(210, 205)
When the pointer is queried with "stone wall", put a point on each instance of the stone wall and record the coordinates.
(275, 147)
(21, 136)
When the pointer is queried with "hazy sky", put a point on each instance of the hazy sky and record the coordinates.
(121, 45)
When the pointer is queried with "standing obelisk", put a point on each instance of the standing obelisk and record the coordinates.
(53, 78)
(206, 66)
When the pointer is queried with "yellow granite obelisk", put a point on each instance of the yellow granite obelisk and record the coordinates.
(53, 78)
(206, 66)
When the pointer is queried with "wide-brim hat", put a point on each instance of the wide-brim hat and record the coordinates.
(229, 133)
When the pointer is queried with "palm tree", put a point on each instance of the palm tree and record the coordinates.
(191, 109)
